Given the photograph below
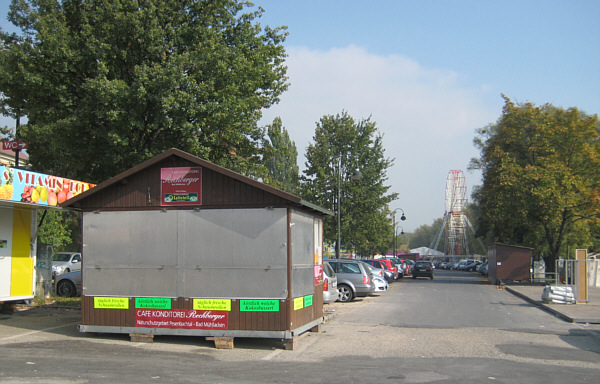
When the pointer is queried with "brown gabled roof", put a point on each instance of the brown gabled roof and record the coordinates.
(203, 163)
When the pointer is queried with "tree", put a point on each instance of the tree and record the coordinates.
(61, 229)
(541, 177)
(425, 234)
(107, 84)
(341, 146)
(281, 158)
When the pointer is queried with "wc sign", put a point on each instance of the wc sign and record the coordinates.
(14, 145)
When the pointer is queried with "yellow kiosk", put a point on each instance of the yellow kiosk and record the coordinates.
(22, 194)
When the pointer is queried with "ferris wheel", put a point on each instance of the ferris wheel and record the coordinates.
(455, 224)
(456, 220)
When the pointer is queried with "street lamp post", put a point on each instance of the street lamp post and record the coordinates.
(403, 217)
(356, 176)
(396, 237)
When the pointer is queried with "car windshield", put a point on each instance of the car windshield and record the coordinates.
(61, 257)
(422, 264)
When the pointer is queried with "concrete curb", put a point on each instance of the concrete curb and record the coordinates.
(329, 315)
(543, 306)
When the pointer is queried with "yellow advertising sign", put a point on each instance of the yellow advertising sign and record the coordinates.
(298, 303)
(212, 304)
(111, 302)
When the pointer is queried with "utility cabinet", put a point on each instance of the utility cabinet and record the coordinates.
(508, 263)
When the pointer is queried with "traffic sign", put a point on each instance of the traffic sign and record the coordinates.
(14, 145)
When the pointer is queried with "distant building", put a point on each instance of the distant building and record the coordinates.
(7, 158)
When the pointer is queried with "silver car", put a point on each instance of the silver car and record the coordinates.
(65, 262)
(380, 282)
(330, 292)
(355, 279)
(68, 284)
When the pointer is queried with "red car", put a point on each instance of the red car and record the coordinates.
(390, 266)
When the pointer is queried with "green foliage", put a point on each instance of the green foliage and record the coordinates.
(281, 158)
(61, 229)
(340, 147)
(541, 177)
(425, 234)
(107, 84)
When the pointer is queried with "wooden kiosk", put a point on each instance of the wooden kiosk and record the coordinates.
(180, 246)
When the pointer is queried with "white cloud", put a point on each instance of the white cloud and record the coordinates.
(427, 116)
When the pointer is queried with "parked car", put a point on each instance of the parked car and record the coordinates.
(399, 264)
(68, 284)
(380, 284)
(409, 264)
(330, 292)
(355, 279)
(380, 278)
(459, 265)
(472, 267)
(391, 266)
(65, 262)
(483, 268)
(380, 264)
(405, 267)
(423, 269)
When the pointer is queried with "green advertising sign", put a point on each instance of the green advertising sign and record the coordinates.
(152, 303)
(308, 300)
(259, 305)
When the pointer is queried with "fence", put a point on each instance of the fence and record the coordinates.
(568, 275)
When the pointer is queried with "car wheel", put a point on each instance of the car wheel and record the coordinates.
(345, 293)
(66, 288)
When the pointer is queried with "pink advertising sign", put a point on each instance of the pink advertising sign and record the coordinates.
(181, 186)
(181, 318)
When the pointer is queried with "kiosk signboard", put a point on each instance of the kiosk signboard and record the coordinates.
(24, 186)
(181, 186)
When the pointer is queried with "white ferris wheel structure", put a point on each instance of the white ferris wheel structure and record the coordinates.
(456, 223)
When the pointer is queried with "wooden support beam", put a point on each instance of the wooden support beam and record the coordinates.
(290, 344)
(141, 338)
(222, 342)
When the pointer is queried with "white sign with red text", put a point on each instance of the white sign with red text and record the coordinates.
(14, 145)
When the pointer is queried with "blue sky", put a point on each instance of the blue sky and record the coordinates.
(429, 73)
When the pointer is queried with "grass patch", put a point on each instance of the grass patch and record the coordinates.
(68, 301)
(58, 301)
